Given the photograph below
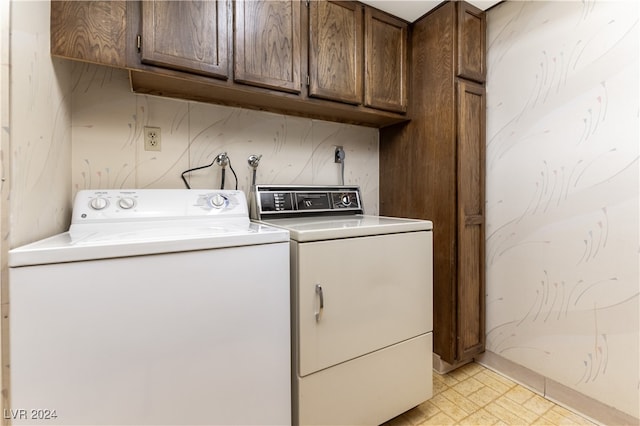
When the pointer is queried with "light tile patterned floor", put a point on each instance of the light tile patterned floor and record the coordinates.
(475, 395)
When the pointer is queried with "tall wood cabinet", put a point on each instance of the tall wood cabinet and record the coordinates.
(433, 168)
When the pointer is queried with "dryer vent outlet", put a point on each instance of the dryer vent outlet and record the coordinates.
(151, 138)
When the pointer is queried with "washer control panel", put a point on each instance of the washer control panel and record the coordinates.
(289, 201)
(115, 205)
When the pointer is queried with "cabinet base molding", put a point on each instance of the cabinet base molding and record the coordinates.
(558, 393)
(443, 367)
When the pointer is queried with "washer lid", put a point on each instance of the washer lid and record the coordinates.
(305, 229)
(141, 239)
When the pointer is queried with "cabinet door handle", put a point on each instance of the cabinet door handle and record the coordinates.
(321, 300)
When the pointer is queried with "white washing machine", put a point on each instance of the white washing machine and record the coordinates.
(156, 307)
(362, 305)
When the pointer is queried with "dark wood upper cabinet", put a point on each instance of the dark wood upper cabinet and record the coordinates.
(385, 61)
(92, 31)
(335, 50)
(186, 35)
(471, 42)
(267, 44)
(286, 56)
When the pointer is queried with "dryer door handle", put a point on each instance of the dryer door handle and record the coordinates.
(320, 295)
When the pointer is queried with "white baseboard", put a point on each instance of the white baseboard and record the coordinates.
(556, 392)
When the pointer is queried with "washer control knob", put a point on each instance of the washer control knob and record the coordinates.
(346, 200)
(98, 203)
(217, 201)
(126, 203)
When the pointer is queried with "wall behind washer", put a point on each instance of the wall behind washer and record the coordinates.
(108, 150)
(39, 132)
(35, 142)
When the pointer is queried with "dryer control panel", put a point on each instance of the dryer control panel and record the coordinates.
(294, 201)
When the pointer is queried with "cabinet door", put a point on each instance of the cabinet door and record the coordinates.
(470, 182)
(471, 42)
(92, 31)
(335, 50)
(267, 44)
(385, 58)
(186, 35)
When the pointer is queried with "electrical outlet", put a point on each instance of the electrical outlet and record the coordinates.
(152, 138)
(338, 155)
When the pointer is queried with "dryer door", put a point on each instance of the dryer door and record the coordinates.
(358, 295)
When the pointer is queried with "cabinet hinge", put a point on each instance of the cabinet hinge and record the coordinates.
(306, 3)
(139, 42)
